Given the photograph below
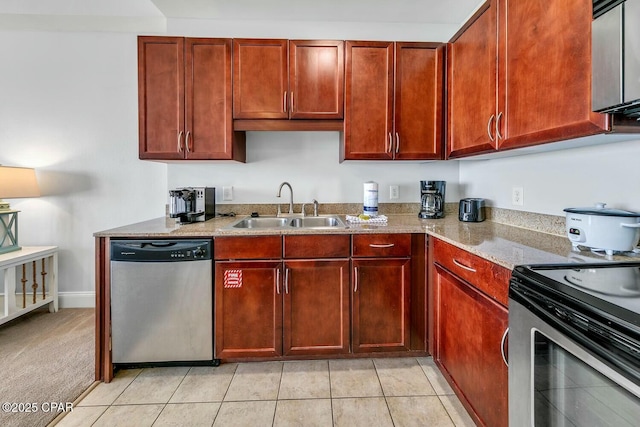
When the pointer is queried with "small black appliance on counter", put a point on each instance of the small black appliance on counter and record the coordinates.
(192, 204)
(432, 199)
(471, 210)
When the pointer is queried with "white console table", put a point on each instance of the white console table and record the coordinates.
(30, 281)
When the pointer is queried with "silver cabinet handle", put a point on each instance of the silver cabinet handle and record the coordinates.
(498, 135)
(397, 143)
(284, 101)
(180, 141)
(390, 143)
(459, 264)
(493, 116)
(504, 338)
(383, 245)
(186, 141)
(292, 102)
(355, 279)
(278, 281)
(286, 281)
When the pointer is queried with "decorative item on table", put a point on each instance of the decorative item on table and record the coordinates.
(370, 206)
(15, 183)
(366, 219)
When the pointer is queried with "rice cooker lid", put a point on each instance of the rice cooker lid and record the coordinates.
(599, 209)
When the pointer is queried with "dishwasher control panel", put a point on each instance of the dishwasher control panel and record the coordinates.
(161, 250)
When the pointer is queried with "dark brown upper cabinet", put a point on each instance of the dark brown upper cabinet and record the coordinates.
(184, 100)
(288, 79)
(394, 101)
(519, 74)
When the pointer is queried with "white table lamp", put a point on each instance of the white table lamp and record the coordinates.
(14, 183)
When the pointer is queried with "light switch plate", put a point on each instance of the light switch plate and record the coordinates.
(227, 193)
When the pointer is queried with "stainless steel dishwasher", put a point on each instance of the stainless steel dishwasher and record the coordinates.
(161, 301)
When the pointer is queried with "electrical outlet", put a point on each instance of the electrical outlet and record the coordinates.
(394, 192)
(517, 196)
(227, 193)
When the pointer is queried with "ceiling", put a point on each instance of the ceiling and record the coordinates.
(413, 11)
(449, 12)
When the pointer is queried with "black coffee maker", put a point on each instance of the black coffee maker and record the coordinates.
(432, 199)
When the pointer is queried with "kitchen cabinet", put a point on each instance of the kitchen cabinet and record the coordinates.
(288, 79)
(515, 88)
(381, 291)
(394, 101)
(316, 295)
(184, 100)
(268, 307)
(469, 325)
(248, 297)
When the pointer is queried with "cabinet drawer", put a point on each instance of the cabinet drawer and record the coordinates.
(486, 276)
(381, 245)
(249, 247)
(317, 246)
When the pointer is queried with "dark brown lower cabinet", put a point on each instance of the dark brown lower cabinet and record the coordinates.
(469, 329)
(248, 309)
(316, 307)
(380, 304)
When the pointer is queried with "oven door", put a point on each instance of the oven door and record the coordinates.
(553, 381)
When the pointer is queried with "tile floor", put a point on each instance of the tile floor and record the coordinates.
(354, 392)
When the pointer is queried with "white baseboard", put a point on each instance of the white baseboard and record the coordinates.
(76, 299)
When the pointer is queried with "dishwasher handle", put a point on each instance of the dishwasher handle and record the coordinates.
(161, 250)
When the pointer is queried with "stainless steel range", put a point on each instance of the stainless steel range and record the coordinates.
(574, 345)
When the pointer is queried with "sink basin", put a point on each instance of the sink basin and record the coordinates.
(317, 222)
(272, 222)
(261, 222)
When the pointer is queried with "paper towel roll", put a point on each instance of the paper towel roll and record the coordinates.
(370, 198)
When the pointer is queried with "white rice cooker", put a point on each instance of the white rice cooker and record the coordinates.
(602, 228)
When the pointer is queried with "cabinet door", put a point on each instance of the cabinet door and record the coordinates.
(248, 309)
(260, 79)
(469, 329)
(380, 310)
(472, 83)
(418, 101)
(161, 97)
(545, 80)
(316, 79)
(368, 101)
(209, 124)
(316, 307)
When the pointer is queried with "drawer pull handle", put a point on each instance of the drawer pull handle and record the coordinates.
(504, 338)
(459, 264)
(384, 245)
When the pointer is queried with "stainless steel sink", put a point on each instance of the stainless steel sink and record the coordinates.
(317, 222)
(272, 222)
(261, 222)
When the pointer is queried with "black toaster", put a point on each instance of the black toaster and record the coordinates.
(471, 210)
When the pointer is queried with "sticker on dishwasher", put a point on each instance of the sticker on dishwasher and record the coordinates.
(233, 279)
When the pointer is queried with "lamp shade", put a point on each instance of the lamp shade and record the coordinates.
(18, 182)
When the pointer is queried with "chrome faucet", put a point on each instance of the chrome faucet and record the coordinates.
(290, 200)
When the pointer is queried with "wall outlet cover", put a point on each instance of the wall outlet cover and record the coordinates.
(394, 192)
(517, 196)
(227, 193)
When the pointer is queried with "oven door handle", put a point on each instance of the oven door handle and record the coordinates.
(502, 342)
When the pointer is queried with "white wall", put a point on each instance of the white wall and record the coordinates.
(309, 162)
(553, 181)
(69, 108)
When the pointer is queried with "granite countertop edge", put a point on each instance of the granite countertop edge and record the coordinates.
(502, 244)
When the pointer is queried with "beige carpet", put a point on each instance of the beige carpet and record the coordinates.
(45, 357)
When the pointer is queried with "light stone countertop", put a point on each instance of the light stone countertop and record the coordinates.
(502, 244)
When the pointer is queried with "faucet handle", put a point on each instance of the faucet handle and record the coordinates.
(315, 207)
(303, 205)
(279, 211)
